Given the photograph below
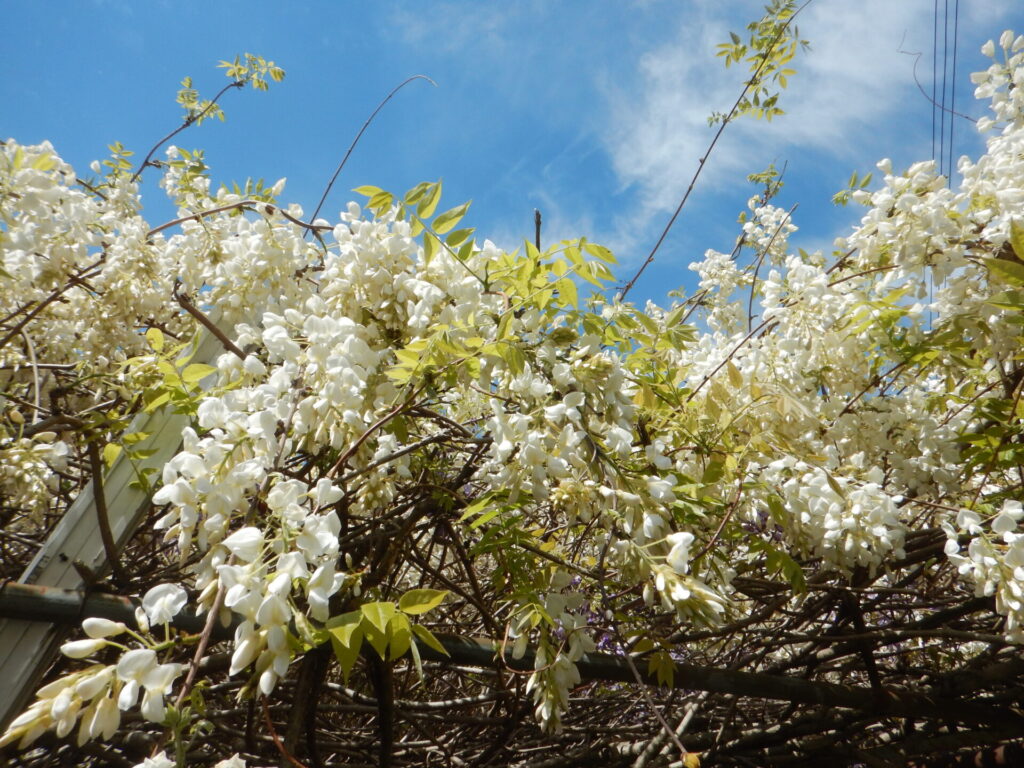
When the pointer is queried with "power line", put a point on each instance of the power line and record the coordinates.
(945, 67)
(935, 46)
(952, 92)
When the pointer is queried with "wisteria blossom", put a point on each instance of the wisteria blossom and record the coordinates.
(406, 429)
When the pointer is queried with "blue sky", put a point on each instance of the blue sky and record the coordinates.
(593, 112)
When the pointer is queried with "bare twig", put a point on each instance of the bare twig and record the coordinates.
(359, 135)
(707, 153)
(186, 303)
(102, 518)
(190, 120)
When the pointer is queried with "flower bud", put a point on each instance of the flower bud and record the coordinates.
(80, 649)
(96, 627)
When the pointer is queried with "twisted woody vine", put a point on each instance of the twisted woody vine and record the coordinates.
(811, 468)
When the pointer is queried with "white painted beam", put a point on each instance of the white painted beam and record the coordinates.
(27, 648)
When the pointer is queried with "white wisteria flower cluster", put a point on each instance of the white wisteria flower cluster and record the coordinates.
(387, 381)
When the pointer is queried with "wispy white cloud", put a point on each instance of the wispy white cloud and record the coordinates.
(454, 26)
(852, 101)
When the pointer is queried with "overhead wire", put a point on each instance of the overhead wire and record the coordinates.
(942, 103)
(935, 49)
(952, 88)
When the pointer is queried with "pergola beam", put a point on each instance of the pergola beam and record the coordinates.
(61, 606)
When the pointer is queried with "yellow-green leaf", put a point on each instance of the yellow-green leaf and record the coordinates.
(428, 204)
(44, 162)
(567, 292)
(427, 637)
(378, 614)
(1011, 271)
(1017, 238)
(417, 601)
(110, 453)
(431, 245)
(600, 251)
(458, 237)
(155, 337)
(196, 372)
(735, 377)
(346, 654)
(344, 627)
(368, 191)
(380, 202)
(445, 221)
(377, 639)
(401, 636)
(157, 401)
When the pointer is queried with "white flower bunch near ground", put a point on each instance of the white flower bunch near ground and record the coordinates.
(95, 697)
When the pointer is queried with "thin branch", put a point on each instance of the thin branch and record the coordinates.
(190, 120)
(73, 280)
(186, 303)
(102, 518)
(666, 728)
(257, 204)
(707, 153)
(277, 739)
(359, 135)
(69, 606)
(917, 57)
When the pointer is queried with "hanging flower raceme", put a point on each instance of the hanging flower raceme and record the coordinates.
(398, 408)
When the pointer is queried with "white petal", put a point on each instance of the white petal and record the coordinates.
(97, 627)
(245, 543)
(80, 649)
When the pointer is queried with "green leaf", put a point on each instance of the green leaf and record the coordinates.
(157, 401)
(401, 636)
(675, 316)
(155, 337)
(110, 453)
(1012, 300)
(450, 218)
(425, 208)
(567, 292)
(368, 191)
(416, 660)
(458, 237)
(346, 639)
(308, 634)
(427, 637)
(515, 358)
(1017, 238)
(661, 665)
(418, 601)
(431, 245)
(713, 472)
(196, 372)
(485, 518)
(1011, 271)
(477, 506)
(378, 614)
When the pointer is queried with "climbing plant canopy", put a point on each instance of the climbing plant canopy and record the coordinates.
(441, 504)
